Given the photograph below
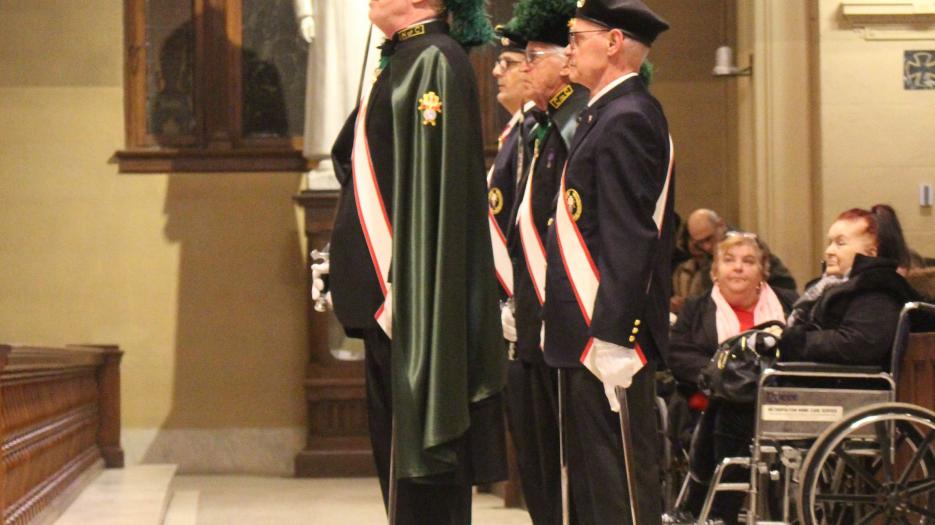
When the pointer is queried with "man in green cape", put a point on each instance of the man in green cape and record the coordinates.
(411, 267)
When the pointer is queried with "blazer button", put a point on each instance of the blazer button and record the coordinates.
(636, 322)
(632, 338)
(550, 221)
(636, 330)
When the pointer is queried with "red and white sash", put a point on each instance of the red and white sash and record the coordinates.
(501, 254)
(580, 266)
(533, 249)
(374, 221)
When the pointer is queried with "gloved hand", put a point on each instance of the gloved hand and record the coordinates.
(307, 28)
(319, 271)
(611, 392)
(508, 322)
(616, 366)
(305, 15)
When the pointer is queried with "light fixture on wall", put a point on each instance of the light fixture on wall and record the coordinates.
(724, 64)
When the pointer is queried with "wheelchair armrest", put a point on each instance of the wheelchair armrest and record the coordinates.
(824, 368)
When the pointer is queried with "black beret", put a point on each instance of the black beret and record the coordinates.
(630, 16)
(508, 38)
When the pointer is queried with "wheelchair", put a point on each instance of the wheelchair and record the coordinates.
(831, 446)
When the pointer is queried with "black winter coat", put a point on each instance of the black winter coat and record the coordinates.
(853, 323)
(693, 339)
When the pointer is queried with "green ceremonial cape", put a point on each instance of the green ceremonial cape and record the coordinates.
(448, 353)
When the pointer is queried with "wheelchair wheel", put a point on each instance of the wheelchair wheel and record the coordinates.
(875, 466)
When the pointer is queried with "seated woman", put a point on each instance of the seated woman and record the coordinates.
(849, 316)
(739, 300)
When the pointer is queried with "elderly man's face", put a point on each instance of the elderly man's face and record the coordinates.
(587, 52)
(389, 14)
(512, 80)
(544, 64)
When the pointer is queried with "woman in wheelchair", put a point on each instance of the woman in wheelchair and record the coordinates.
(849, 315)
(739, 300)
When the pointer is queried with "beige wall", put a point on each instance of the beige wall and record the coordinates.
(878, 140)
(198, 277)
(776, 137)
(701, 109)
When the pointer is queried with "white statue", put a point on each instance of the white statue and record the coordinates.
(336, 31)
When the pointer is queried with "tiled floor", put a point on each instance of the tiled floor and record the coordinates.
(133, 495)
(226, 500)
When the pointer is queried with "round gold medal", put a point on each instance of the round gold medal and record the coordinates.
(495, 200)
(574, 203)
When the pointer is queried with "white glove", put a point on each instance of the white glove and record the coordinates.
(508, 322)
(305, 15)
(611, 392)
(307, 28)
(616, 366)
(319, 270)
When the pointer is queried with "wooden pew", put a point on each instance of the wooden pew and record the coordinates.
(60, 417)
(917, 372)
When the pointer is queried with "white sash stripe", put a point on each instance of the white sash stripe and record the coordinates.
(664, 196)
(374, 220)
(533, 249)
(581, 270)
(502, 264)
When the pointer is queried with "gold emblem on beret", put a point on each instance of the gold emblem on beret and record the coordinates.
(504, 41)
(495, 200)
(430, 105)
(574, 203)
(581, 3)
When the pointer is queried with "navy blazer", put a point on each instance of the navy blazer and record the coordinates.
(617, 167)
(553, 152)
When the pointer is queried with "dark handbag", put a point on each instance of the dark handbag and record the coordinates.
(732, 373)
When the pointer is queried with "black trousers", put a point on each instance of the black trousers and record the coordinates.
(532, 409)
(419, 501)
(597, 471)
(725, 430)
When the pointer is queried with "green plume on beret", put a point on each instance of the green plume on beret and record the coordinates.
(647, 69)
(544, 20)
(470, 24)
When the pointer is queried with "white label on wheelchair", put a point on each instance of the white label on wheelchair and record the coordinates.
(802, 413)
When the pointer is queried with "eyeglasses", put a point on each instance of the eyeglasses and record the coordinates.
(533, 56)
(573, 35)
(506, 63)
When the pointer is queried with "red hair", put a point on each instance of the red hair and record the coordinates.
(883, 226)
(868, 217)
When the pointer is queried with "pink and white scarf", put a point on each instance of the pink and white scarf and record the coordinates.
(768, 308)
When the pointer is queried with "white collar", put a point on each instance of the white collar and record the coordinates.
(517, 118)
(528, 106)
(614, 83)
